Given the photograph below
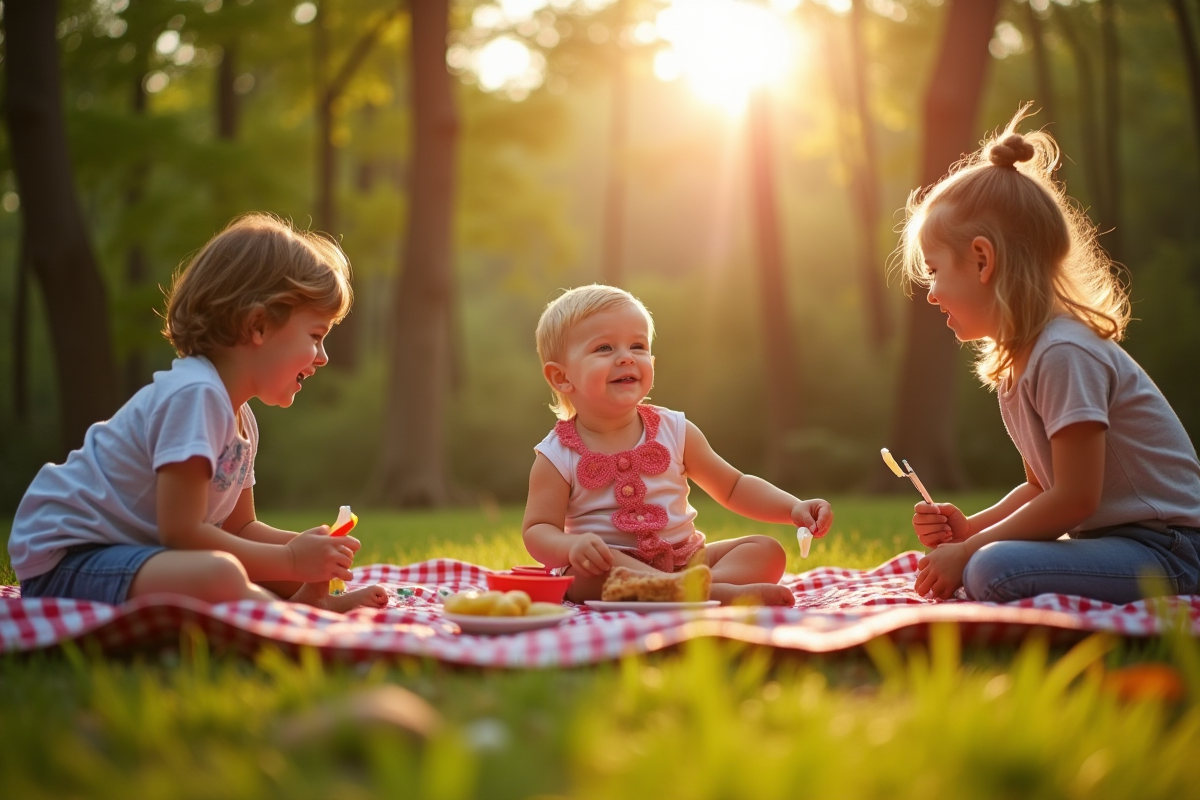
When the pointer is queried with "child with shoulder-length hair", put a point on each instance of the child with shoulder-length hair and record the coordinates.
(609, 485)
(160, 497)
(1112, 490)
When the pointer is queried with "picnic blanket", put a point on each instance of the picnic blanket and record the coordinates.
(835, 609)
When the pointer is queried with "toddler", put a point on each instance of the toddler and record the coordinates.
(609, 485)
(160, 498)
(1015, 267)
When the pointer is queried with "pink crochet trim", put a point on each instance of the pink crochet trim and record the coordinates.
(633, 515)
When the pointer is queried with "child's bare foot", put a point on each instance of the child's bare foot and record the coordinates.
(317, 594)
(752, 594)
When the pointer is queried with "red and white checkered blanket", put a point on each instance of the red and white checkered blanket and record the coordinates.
(835, 609)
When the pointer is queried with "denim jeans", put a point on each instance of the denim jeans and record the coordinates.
(1109, 565)
(99, 572)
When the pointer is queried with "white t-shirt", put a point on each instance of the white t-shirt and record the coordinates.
(1151, 473)
(591, 510)
(105, 493)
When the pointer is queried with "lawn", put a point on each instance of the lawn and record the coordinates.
(709, 720)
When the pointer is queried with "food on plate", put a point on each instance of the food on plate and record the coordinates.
(690, 585)
(497, 604)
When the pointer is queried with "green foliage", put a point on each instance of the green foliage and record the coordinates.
(156, 182)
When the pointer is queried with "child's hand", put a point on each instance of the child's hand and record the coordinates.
(816, 515)
(939, 524)
(590, 555)
(939, 573)
(317, 556)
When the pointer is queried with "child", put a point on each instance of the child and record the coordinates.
(160, 497)
(1016, 267)
(609, 484)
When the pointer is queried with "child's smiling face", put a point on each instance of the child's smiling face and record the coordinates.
(290, 354)
(962, 289)
(608, 368)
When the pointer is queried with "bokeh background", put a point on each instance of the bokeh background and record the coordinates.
(738, 165)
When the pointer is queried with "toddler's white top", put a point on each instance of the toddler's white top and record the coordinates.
(591, 510)
(105, 493)
(1151, 473)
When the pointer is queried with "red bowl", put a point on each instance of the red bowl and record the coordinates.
(540, 588)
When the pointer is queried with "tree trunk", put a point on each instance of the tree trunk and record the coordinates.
(413, 465)
(55, 235)
(923, 428)
(1043, 74)
(1191, 59)
(136, 371)
(1094, 182)
(1111, 127)
(613, 245)
(342, 343)
(866, 188)
(20, 323)
(783, 399)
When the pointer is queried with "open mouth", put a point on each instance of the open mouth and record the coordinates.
(628, 379)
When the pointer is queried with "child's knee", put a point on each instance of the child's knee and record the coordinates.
(222, 576)
(987, 576)
(771, 553)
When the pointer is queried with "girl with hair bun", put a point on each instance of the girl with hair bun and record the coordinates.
(1110, 508)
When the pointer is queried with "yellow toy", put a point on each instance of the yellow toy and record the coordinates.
(346, 520)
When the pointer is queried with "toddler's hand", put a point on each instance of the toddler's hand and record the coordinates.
(590, 555)
(317, 556)
(940, 524)
(816, 515)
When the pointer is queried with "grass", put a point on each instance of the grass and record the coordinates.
(709, 720)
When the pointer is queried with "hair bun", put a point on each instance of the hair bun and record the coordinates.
(1010, 150)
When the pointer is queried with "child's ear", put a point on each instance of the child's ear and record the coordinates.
(256, 323)
(556, 376)
(983, 254)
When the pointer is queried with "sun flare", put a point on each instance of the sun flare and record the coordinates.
(724, 48)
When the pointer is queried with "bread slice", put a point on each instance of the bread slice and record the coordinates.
(690, 585)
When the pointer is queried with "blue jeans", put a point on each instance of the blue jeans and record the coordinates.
(1108, 565)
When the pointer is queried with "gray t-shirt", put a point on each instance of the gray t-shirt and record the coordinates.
(105, 493)
(1151, 473)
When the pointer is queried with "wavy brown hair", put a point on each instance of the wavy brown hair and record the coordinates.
(258, 269)
(1047, 258)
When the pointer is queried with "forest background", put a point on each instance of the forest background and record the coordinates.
(739, 166)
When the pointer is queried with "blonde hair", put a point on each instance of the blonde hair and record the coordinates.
(1047, 256)
(258, 268)
(566, 311)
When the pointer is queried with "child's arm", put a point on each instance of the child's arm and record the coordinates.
(182, 501)
(749, 495)
(945, 523)
(545, 516)
(1077, 452)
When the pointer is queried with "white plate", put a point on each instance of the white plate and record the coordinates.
(473, 623)
(642, 607)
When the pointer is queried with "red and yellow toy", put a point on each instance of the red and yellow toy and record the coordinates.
(346, 520)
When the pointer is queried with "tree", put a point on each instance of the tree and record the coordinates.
(1191, 59)
(857, 136)
(613, 244)
(343, 350)
(923, 426)
(783, 397)
(413, 469)
(55, 238)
